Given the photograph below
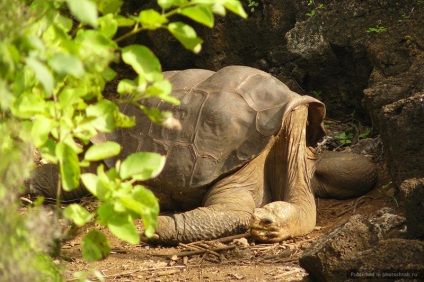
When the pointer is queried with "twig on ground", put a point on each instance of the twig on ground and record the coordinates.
(197, 252)
(26, 200)
(118, 251)
(231, 238)
(360, 200)
(199, 248)
(344, 212)
(355, 205)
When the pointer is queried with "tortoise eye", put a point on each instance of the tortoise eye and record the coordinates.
(266, 221)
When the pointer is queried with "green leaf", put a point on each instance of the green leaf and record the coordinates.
(166, 4)
(40, 130)
(7, 97)
(96, 186)
(143, 61)
(150, 19)
(142, 210)
(123, 21)
(137, 87)
(105, 211)
(102, 151)
(162, 89)
(235, 7)
(186, 35)
(121, 226)
(84, 10)
(124, 121)
(201, 14)
(150, 210)
(67, 64)
(108, 25)
(156, 115)
(104, 115)
(28, 104)
(69, 97)
(142, 166)
(95, 246)
(109, 74)
(63, 22)
(43, 75)
(219, 9)
(78, 214)
(69, 166)
(48, 150)
(109, 6)
(365, 134)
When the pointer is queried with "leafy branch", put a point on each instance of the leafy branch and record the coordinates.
(52, 78)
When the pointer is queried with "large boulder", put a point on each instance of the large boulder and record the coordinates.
(331, 256)
(366, 249)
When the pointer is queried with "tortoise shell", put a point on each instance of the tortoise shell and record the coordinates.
(228, 118)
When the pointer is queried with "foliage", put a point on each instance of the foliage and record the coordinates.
(406, 15)
(390, 191)
(24, 238)
(252, 4)
(55, 62)
(315, 9)
(346, 137)
(317, 94)
(376, 29)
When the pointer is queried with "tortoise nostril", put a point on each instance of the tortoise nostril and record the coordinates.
(266, 221)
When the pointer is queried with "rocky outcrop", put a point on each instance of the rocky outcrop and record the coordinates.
(366, 249)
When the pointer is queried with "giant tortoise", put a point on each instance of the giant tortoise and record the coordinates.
(243, 160)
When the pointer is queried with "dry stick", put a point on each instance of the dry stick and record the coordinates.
(198, 252)
(355, 205)
(231, 238)
(26, 200)
(361, 199)
(198, 248)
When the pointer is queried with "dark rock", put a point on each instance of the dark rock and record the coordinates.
(412, 192)
(391, 259)
(388, 225)
(330, 256)
(402, 131)
(353, 249)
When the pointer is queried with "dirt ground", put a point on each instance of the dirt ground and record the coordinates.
(236, 258)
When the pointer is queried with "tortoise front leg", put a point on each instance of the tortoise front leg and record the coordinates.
(288, 173)
(229, 215)
(227, 208)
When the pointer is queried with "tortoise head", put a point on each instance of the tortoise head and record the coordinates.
(273, 222)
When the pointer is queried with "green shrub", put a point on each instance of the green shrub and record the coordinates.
(55, 61)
